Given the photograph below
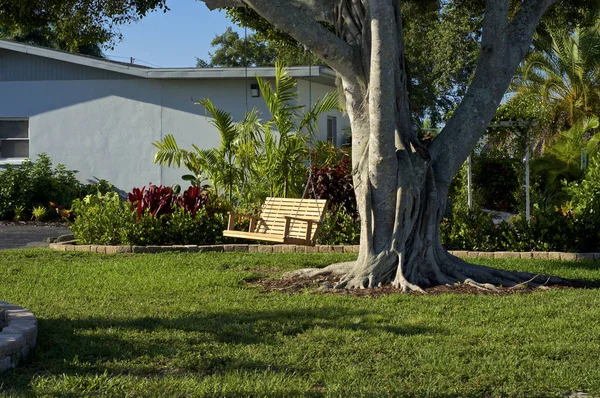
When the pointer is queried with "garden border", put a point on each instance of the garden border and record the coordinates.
(248, 248)
(18, 338)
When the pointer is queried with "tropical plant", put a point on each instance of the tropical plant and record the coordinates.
(39, 213)
(286, 149)
(562, 159)
(564, 73)
(255, 158)
(18, 212)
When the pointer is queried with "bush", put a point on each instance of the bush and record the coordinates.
(106, 220)
(497, 180)
(339, 228)
(333, 181)
(469, 230)
(102, 220)
(36, 184)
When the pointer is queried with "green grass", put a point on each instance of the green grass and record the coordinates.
(189, 325)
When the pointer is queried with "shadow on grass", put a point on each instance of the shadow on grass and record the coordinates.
(199, 344)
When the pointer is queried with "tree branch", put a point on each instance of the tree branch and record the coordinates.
(504, 44)
(301, 20)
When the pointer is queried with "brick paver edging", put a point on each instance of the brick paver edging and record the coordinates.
(71, 246)
(17, 339)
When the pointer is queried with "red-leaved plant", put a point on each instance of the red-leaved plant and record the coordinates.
(193, 200)
(333, 181)
(158, 200)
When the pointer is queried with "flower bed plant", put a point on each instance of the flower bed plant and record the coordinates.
(151, 216)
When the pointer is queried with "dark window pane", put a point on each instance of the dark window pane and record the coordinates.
(14, 129)
(331, 130)
(14, 149)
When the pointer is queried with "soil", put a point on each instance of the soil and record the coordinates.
(2, 319)
(35, 223)
(324, 285)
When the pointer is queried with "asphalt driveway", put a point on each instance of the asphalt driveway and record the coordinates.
(22, 236)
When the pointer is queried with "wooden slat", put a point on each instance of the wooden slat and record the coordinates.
(255, 236)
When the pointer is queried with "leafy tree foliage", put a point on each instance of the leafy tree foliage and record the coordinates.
(47, 37)
(442, 43)
(75, 23)
(231, 50)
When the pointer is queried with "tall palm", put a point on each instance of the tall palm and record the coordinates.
(254, 154)
(288, 132)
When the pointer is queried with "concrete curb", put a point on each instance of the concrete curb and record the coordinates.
(243, 248)
(17, 339)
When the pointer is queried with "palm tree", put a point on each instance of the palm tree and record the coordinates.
(564, 74)
(562, 159)
(268, 154)
(288, 132)
(218, 165)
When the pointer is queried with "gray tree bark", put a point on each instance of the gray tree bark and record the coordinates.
(401, 186)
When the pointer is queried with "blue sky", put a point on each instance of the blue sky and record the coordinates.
(173, 39)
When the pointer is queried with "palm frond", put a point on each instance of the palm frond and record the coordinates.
(169, 153)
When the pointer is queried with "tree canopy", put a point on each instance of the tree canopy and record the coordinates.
(75, 24)
(232, 50)
(442, 39)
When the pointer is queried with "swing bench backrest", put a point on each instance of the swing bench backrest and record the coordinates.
(282, 220)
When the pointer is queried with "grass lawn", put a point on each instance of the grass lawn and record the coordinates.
(190, 325)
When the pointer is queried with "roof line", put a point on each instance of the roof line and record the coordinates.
(320, 73)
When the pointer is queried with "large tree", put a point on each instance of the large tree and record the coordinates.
(401, 185)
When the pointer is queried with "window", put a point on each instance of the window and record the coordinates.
(332, 129)
(14, 139)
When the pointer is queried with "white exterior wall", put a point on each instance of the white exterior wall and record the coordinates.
(313, 91)
(105, 128)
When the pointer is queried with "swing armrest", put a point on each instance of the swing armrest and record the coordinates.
(233, 216)
(310, 220)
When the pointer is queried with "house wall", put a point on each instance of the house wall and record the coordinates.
(310, 92)
(105, 127)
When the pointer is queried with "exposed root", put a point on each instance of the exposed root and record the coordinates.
(440, 269)
(401, 283)
(337, 269)
(482, 286)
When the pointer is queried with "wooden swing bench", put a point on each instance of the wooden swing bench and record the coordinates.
(282, 220)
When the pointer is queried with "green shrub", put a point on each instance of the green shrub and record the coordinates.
(339, 228)
(34, 184)
(102, 220)
(469, 230)
(496, 178)
(106, 220)
(142, 230)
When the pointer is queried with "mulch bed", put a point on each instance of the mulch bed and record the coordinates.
(35, 223)
(2, 319)
(324, 285)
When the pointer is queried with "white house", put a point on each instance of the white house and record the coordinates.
(101, 117)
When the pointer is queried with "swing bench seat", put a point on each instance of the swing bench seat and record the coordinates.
(282, 220)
